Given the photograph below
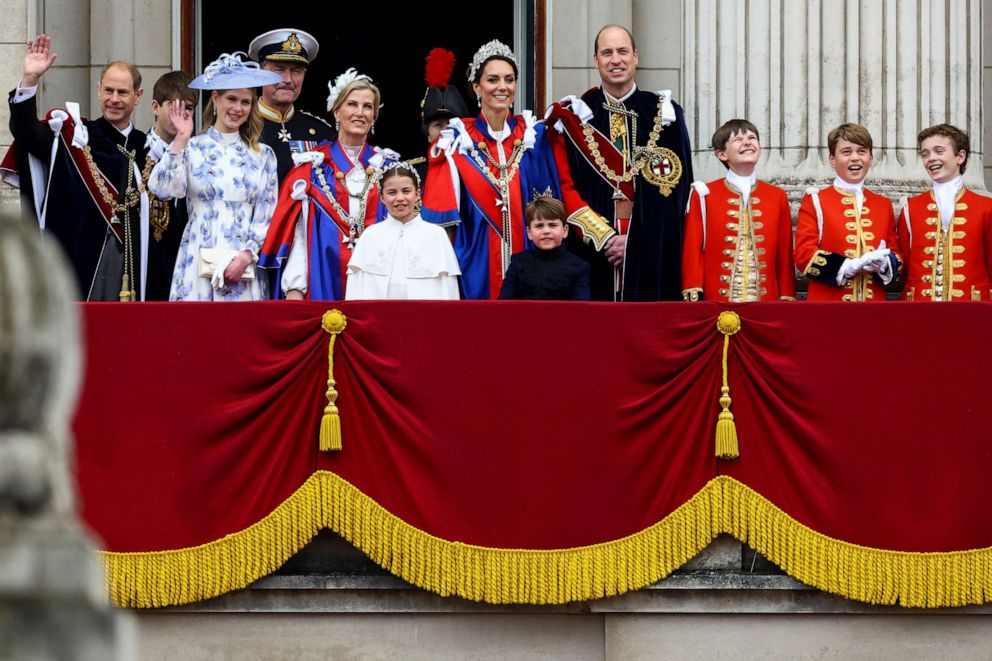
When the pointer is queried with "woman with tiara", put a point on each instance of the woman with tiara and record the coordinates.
(329, 198)
(228, 178)
(484, 170)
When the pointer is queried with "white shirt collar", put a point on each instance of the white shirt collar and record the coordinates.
(857, 190)
(613, 99)
(502, 134)
(946, 193)
(743, 183)
(126, 131)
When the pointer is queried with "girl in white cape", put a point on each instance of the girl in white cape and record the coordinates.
(402, 257)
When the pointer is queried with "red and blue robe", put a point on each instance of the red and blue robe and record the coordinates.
(457, 192)
(303, 199)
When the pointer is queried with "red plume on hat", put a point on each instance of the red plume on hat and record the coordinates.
(440, 64)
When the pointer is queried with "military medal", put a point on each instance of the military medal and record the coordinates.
(284, 134)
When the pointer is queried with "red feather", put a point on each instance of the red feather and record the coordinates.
(440, 64)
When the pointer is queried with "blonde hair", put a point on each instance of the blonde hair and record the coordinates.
(354, 86)
(250, 130)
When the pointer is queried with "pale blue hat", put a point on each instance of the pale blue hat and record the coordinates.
(229, 72)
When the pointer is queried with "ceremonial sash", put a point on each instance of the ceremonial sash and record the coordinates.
(93, 179)
(279, 238)
(613, 158)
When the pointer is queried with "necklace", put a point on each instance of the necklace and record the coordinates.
(507, 171)
(356, 224)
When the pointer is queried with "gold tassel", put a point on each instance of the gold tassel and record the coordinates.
(334, 322)
(726, 431)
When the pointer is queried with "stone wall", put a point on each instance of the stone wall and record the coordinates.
(331, 602)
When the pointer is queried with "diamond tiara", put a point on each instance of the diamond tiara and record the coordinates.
(494, 48)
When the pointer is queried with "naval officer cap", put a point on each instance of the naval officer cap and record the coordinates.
(284, 45)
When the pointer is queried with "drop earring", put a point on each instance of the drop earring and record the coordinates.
(337, 125)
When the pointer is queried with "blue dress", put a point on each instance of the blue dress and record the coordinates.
(230, 191)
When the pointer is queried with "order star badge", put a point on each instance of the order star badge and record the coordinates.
(284, 135)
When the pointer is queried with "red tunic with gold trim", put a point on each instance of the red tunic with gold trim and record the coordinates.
(952, 264)
(736, 252)
(824, 241)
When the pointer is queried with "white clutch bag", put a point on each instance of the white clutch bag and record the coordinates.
(210, 257)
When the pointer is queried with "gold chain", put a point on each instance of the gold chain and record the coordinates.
(159, 212)
(131, 196)
(127, 292)
(502, 183)
(356, 224)
(638, 152)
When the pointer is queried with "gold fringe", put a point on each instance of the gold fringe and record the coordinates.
(729, 324)
(334, 322)
(503, 576)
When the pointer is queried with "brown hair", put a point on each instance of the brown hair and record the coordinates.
(131, 69)
(729, 130)
(958, 138)
(595, 43)
(401, 171)
(355, 85)
(855, 133)
(482, 69)
(545, 208)
(250, 129)
(174, 85)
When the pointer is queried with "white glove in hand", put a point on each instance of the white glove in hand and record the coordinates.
(849, 269)
(878, 259)
(217, 279)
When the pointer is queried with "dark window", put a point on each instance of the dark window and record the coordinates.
(387, 41)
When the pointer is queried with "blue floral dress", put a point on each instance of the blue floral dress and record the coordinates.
(231, 193)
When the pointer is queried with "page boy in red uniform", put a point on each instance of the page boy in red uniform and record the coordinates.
(845, 234)
(738, 230)
(946, 232)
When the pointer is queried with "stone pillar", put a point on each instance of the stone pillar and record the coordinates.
(52, 601)
(798, 69)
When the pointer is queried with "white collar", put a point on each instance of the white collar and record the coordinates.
(946, 193)
(743, 183)
(947, 188)
(126, 131)
(155, 144)
(397, 224)
(858, 189)
(616, 100)
(502, 134)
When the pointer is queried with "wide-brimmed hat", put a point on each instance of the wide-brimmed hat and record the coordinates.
(284, 45)
(229, 72)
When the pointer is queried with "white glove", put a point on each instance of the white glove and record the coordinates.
(877, 259)
(217, 279)
(850, 268)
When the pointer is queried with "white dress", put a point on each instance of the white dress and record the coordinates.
(231, 193)
(412, 260)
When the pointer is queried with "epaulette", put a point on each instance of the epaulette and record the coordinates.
(319, 119)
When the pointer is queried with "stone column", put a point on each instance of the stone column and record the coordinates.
(798, 69)
(52, 601)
